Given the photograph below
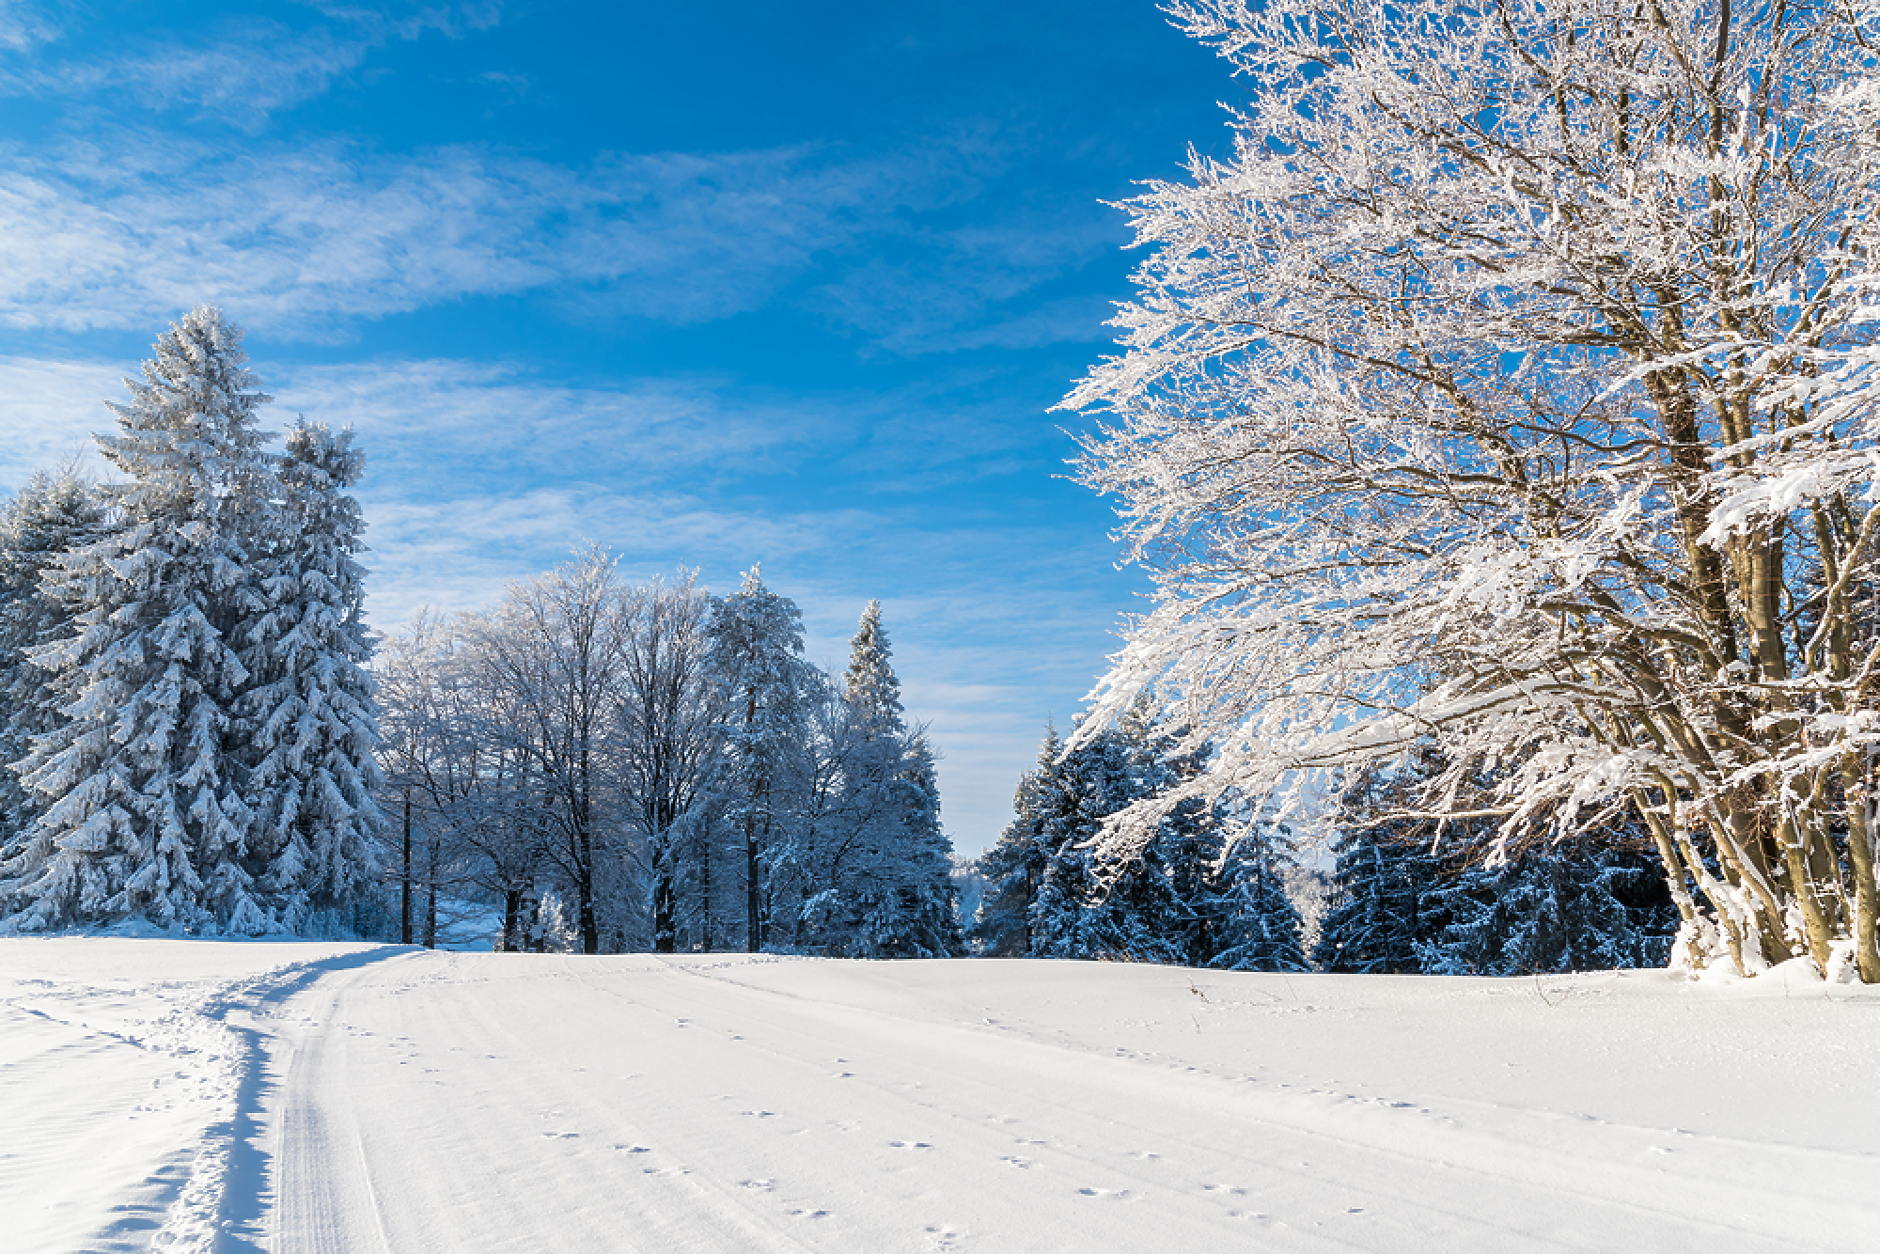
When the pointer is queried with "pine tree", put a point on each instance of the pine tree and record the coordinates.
(896, 889)
(1258, 928)
(309, 718)
(144, 810)
(1014, 866)
(52, 515)
(1374, 920)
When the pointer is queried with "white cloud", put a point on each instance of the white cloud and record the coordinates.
(299, 243)
(50, 412)
(239, 72)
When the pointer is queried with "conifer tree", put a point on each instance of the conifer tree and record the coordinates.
(896, 889)
(144, 808)
(308, 717)
(52, 515)
(1014, 866)
(1258, 925)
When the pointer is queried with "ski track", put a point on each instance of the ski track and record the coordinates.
(376, 1099)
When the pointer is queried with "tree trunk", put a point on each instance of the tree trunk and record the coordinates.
(404, 887)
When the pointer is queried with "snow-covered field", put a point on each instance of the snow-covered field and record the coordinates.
(318, 1097)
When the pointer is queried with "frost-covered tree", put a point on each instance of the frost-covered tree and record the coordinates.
(551, 657)
(1513, 384)
(307, 721)
(876, 864)
(52, 515)
(1014, 866)
(145, 813)
(671, 715)
(1257, 925)
(1420, 894)
(768, 692)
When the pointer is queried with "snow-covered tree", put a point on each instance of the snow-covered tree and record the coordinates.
(670, 737)
(1014, 866)
(1257, 925)
(1420, 894)
(308, 716)
(768, 692)
(877, 865)
(145, 813)
(52, 515)
(552, 656)
(1513, 384)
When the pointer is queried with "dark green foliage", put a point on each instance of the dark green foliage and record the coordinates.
(1412, 895)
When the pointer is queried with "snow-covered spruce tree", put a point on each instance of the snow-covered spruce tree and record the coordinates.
(879, 861)
(1512, 384)
(1256, 925)
(144, 812)
(1413, 894)
(52, 515)
(1014, 866)
(308, 723)
(1372, 922)
(768, 690)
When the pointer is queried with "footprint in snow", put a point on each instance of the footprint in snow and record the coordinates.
(561, 1136)
(1229, 1189)
(909, 1145)
(759, 1114)
(810, 1214)
(758, 1184)
(1020, 1163)
(633, 1149)
(1093, 1191)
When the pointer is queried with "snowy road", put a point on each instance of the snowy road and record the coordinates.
(454, 1102)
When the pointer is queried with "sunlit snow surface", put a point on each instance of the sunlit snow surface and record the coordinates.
(195, 1095)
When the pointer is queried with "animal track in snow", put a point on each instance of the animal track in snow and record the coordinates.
(909, 1145)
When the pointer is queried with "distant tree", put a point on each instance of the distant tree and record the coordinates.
(1256, 925)
(878, 862)
(768, 691)
(1425, 895)
(670, 739)
(552, 656)
(1015, 864)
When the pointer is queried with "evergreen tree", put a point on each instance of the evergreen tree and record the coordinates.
(892, 895)
(52, 515)
(310, 722)
(1014, 866)
(1415, 894)
(1258, 928)
(1374, 920)
(144, 808)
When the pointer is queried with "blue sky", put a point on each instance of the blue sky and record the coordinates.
(712, 285)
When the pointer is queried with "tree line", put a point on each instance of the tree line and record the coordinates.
(651, 767)
(199, 732)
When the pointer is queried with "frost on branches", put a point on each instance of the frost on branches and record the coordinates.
(1513, 384)
(202, 728)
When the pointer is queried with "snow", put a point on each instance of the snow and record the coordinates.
(313, 1097)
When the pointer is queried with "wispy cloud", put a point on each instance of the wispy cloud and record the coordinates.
(236, 72)
(118, 233)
